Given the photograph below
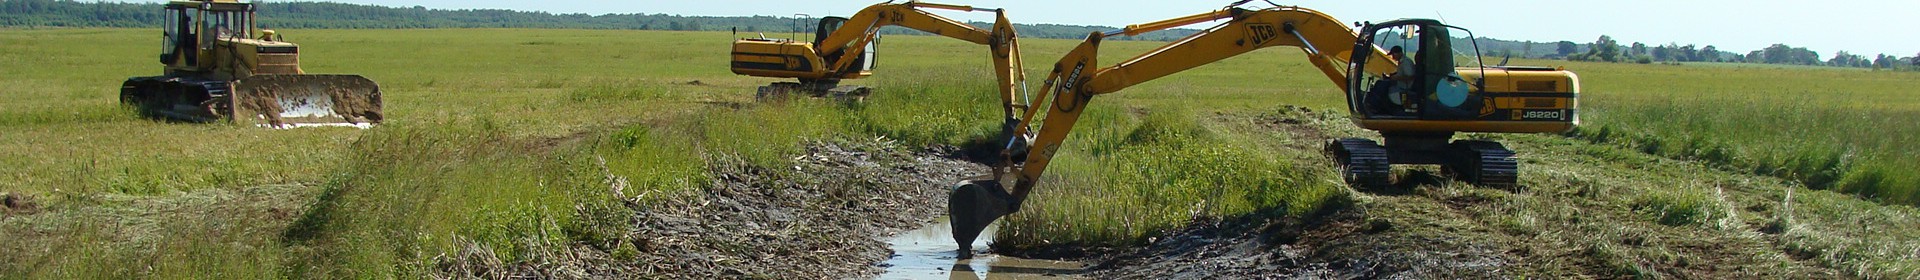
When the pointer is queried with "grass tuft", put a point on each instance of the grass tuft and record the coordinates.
(1682, 205)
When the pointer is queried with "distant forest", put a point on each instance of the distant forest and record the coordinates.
(314, 15)
(317, 15)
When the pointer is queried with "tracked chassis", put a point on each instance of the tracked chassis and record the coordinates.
(782, 90)
(1364, 163)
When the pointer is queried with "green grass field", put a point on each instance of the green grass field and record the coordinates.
(1837, 129)
(499, 142)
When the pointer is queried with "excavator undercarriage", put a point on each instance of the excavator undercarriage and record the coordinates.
(817, 89)
(1365, 163)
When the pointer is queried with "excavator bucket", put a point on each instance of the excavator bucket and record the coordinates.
(972, 206)
(301, 100)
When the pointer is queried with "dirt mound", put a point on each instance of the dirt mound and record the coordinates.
(821, 217)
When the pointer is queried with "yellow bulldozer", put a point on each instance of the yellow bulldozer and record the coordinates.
(218, 66)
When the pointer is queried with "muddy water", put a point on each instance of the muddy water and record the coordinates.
(928, 253)
(306, 125)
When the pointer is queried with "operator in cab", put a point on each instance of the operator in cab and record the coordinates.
(1389, 95)
(1402, 78)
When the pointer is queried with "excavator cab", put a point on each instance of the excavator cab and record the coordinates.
(1438, 84)
(1449, 89)
(826, 27)
(830, 24)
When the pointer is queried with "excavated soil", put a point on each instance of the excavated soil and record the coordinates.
(824, 216)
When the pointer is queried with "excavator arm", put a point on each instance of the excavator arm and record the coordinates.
(1074, 81)
(846, 42)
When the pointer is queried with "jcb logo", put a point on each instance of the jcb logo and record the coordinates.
(1486, 107)
(1261, 33)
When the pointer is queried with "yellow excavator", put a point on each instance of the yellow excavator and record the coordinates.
(1417, 103)
(218, 66)
(843, 48)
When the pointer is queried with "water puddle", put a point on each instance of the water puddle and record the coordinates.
(307, 125)
(928, 253)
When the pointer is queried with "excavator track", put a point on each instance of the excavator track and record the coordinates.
(1485, 163)
(783, 90)
(1362, 162)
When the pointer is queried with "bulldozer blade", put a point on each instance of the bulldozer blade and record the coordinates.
(972, 206)
(300, 100)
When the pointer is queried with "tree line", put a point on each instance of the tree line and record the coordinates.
(328, 15)
(1608, 50)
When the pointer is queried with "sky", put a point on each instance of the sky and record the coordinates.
(1865, 27)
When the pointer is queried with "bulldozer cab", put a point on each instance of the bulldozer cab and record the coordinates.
(1442, 83)
(194, 30)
